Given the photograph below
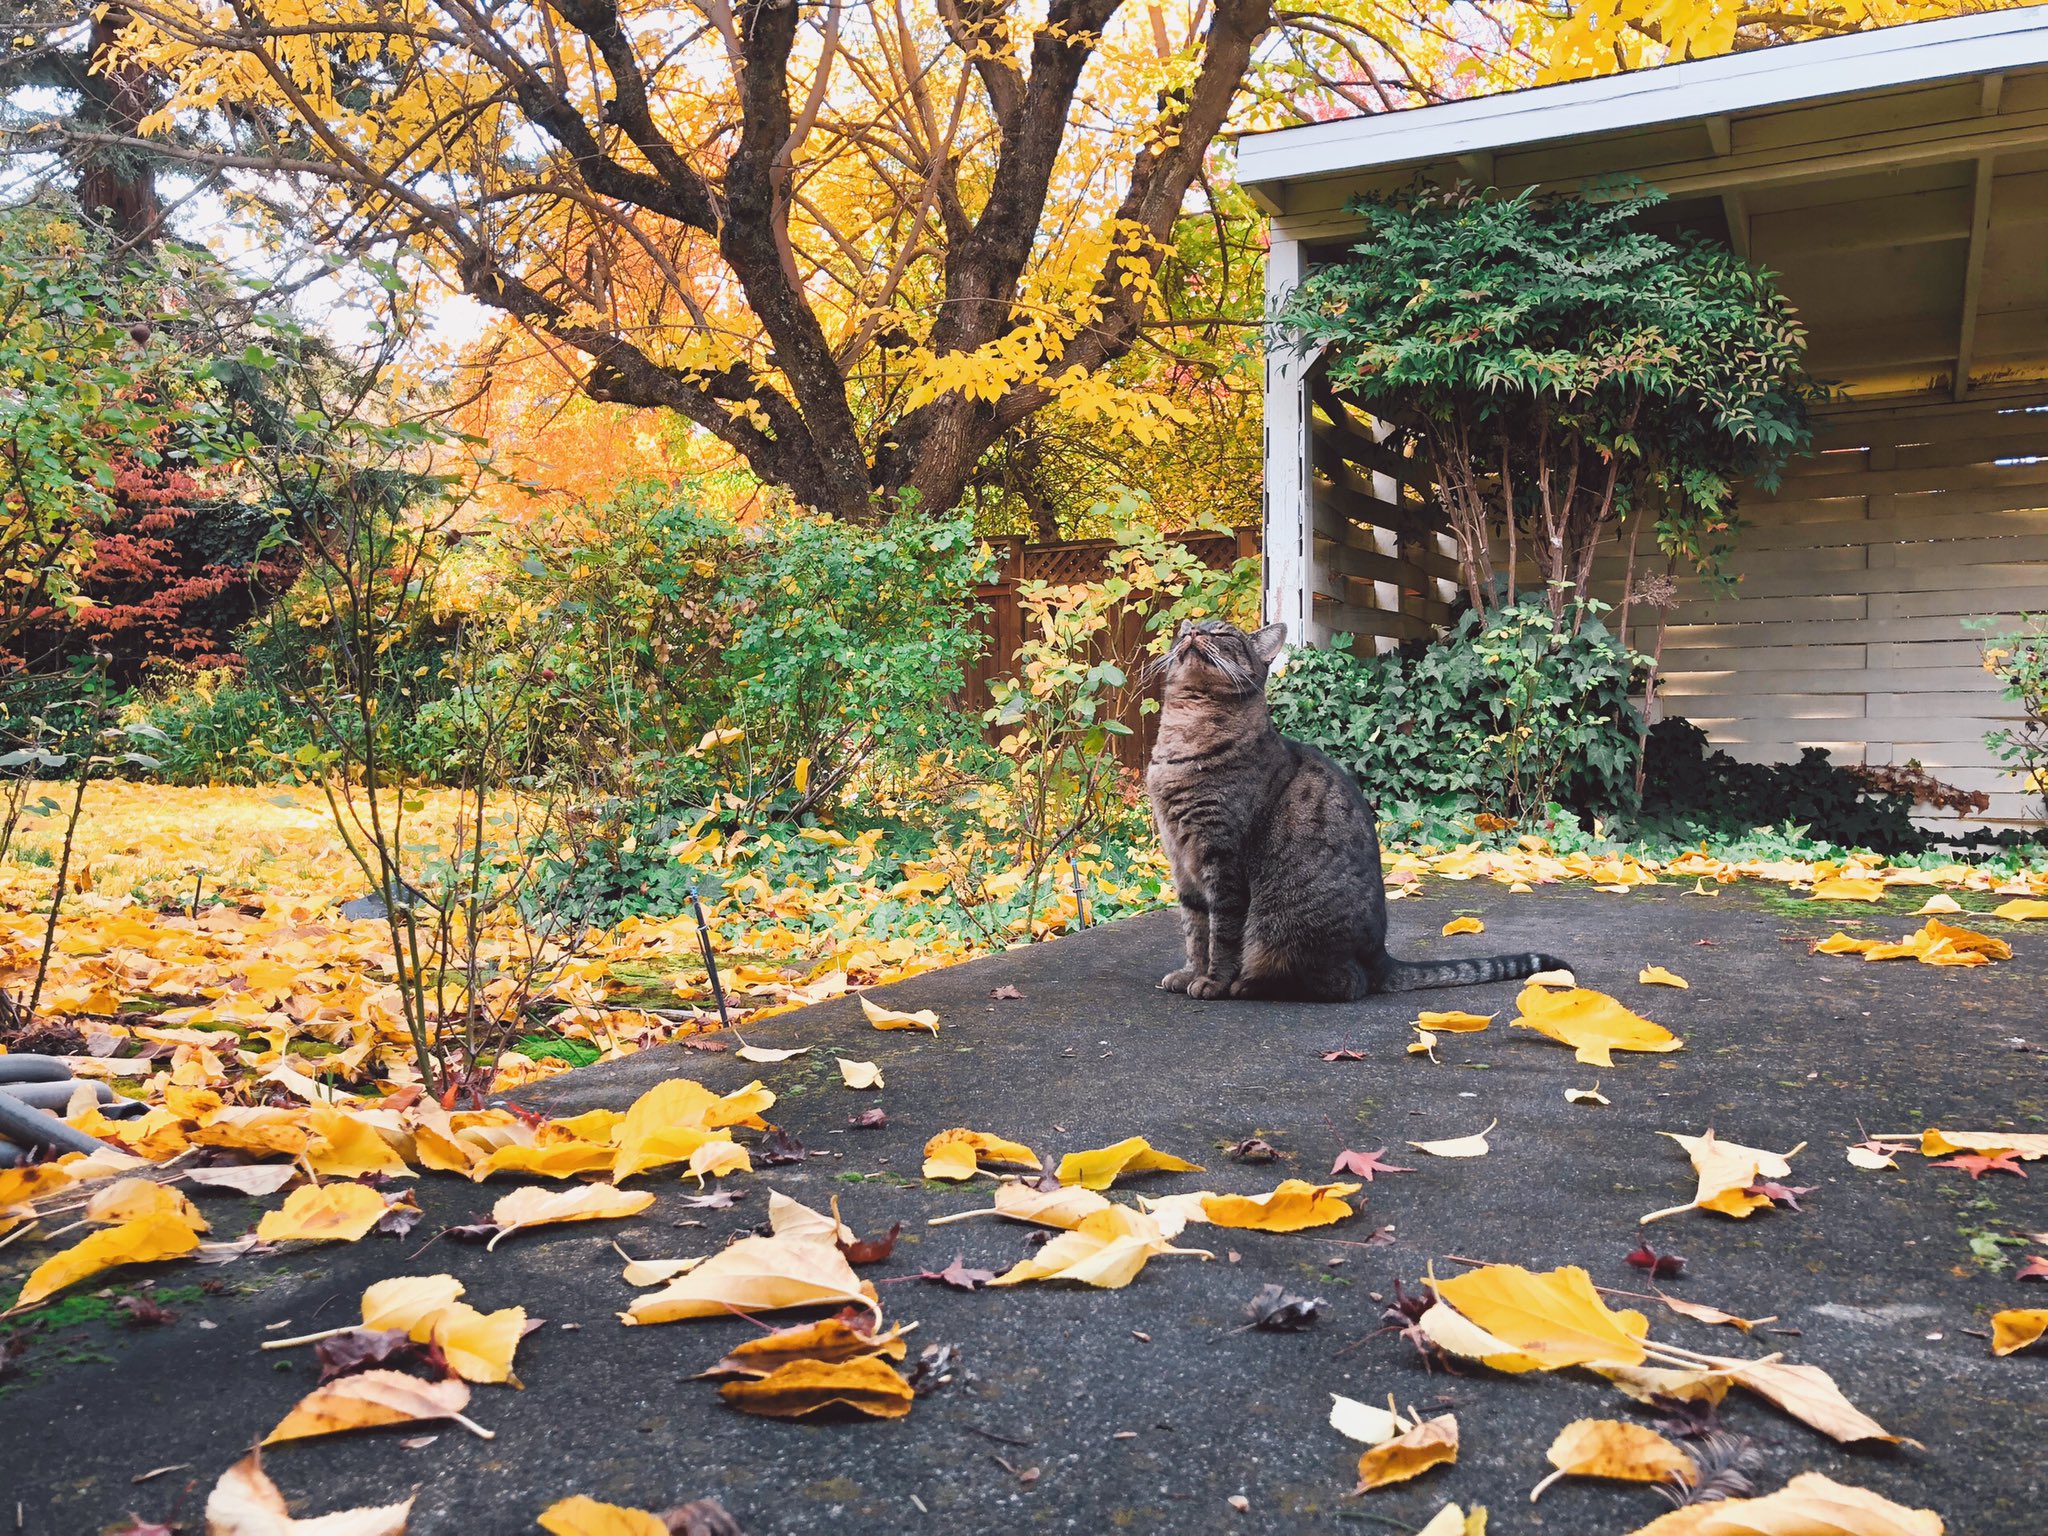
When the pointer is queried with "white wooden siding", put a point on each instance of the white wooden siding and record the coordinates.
(1845, 627)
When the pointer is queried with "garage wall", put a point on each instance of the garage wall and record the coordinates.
(1845, 630)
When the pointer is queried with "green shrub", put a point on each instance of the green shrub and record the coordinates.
(2018, 658)
(1502, 716)
(219, 728)
(1692, 791)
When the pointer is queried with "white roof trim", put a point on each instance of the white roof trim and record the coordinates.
(1888, 58)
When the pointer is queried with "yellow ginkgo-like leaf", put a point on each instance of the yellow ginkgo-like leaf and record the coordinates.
(2015, 1328)
(1463, 925)
(1591, 1023)
(537, 1206)
(867, 1385)
(327, 1213)
(1103, 1166)
(1106, 1251)
(344, 1146)
(859, 1074)
(146, 1240)
(1555, 1316)
(891, 1018)
(1432, 1443)
(1810, 1505)
(563, 1159)
(134, 1198)
(767, 1054)
(369, 1400)
(479, 1345)
(1453, 1023)
(1726, 1170)
(585, 1516)
(1294, 1205)
(1940, 904)
(959, 1153)
(758, 1274)
(1475, 1145)
(1657, 976)
(1847, 888)
(2022, 910)
(1614, 1449)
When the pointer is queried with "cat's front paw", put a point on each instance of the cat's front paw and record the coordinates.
(1177, 981)
(1206, 987)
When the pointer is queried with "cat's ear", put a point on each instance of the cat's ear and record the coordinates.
(1266, 643)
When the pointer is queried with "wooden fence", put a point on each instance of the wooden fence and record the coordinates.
(1079, 560)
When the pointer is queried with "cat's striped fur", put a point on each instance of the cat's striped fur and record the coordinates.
(1273, 847)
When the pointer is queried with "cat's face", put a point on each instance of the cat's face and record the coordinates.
(1214, 657)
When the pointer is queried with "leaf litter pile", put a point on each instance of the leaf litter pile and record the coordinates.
(230, 1109)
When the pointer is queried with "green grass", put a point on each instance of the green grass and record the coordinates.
(578, 1053)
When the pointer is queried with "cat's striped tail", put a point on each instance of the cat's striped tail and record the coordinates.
(1413, 976)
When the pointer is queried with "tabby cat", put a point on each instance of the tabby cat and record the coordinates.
(1272, 845)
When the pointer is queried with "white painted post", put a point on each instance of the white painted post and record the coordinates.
(1289, 515)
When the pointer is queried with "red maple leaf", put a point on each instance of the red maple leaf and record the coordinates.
(1662, 1266)
(1365, 1164)
(959, 1276)
(1976, 1165)
(2036, 1268)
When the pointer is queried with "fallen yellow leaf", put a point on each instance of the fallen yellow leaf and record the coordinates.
(958, 1154)
(758, 1274)
(328, 1213)
(1847, 888)
(1700, 1312)
(891, 1018)
(1555, 1317)
(1809, 1505)
(764, 1054)
(1106, 1250)
(479, 1345)
(370, 1399)
(1726, 1170)
(1432, 1443)
(537, 1206)
(1452, 1520)
(1590, 1022)
(792, 1218)
(831, 1339)
(408, 1303)
(1103, 1166)
(1806, 1392)
(245, 1502)
(859, 1074)
(1066, 1207)
(1294, 1205)
(1450, 1331)
(1423, 1045)
(1620, 1451)
(2022, 910)
(1363, 1421)
(1657, 976)
(1646, 1383)
(1940, 904)
(147, 1240)
(134, 1198)
(2026, 1146)
(1591, 1095)
(2017, 1327)
(584, 1516)
(1458, 1146)
(1453, 1023)
(866, 1384)
(345, 1147)
(1463, 925)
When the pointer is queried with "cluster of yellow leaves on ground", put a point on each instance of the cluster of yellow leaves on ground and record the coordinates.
(1933, 943)
(836, 1363)
(959, 1154)
(1727, 1170)
(141, 1221)
(1105, 1250)
(1809, 1505)
(1431, 1443)
(1593, 1024)
(324, 1213)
